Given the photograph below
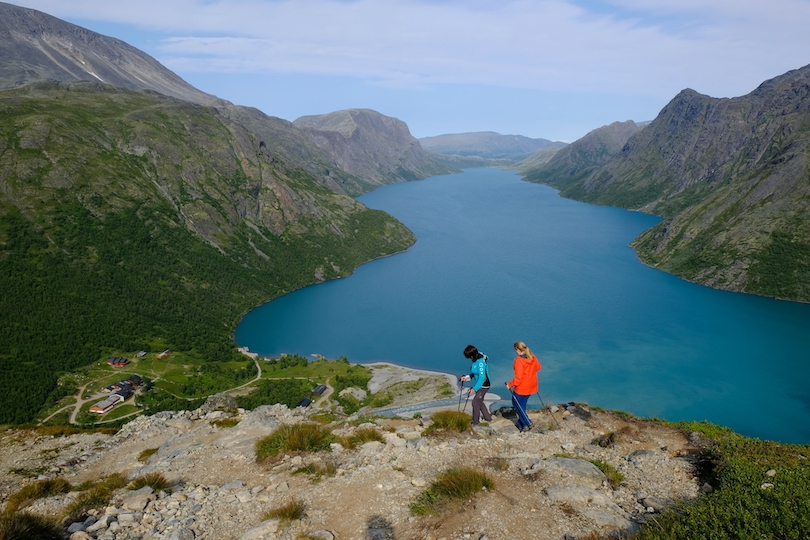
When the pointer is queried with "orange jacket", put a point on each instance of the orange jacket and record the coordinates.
(525, 381)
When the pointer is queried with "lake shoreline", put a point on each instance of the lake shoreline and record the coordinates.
(386, 374)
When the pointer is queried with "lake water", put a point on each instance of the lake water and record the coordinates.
(499, 260)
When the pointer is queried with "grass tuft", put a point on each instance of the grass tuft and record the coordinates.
(95, 496)
(450, 489)
(25, 526)
(37, 490)
(155, 480)
(225, 422)
(294, 438)
(449, 421)
(146, 454)
(614, 477)
(361, 436)
(290, 511)
(318, 471)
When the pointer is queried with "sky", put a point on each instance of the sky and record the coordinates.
(551, 69)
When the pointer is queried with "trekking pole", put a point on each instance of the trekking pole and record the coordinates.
(460, 386)
(549, 410)
(466, 401)
(514, 401)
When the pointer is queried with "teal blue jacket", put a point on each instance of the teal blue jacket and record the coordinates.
(479, 371)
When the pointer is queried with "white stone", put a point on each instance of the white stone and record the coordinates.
(262, 531)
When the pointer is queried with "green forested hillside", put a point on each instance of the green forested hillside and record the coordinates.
(132, 221)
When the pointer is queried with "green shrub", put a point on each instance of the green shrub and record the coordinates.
(25, 526)
(155, 480)
(450, 489)
(290, 511)
(37, 490)
(449, 421)
(294, 438)
(743, 505)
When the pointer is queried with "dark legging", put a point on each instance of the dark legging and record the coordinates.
(479, 408)
(519, 403)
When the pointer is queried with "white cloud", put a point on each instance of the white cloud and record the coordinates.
(719, 47)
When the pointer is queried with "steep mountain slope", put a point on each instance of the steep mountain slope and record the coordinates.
(132, 220)
(732, 177)
(36, 47)
(580, 158)
(370, 145)
(487, 145)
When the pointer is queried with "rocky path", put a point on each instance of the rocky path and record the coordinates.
(545, 484)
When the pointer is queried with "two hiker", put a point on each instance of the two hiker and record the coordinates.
(522, 385)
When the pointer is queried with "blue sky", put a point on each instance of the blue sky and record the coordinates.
(554, 69)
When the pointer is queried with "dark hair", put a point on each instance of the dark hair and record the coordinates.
(472, 353)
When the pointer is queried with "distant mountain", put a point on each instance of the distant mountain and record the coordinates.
(732, 177)
(487, 145)
(580, 158)
(37, 47)
(370, 145)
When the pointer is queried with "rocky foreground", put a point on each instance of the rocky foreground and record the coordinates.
(545, 485)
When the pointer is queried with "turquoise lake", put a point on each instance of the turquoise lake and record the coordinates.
(498, 260)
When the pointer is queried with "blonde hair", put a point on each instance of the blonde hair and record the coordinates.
(523, 350)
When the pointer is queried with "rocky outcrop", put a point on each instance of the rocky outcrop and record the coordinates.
(220, 491)
(370, 145)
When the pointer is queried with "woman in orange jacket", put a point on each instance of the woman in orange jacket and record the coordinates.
(524, 384)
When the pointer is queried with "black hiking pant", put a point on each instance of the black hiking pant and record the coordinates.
(479, 408)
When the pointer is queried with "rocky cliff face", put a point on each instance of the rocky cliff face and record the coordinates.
(545, 486)
(370, 145)
(731, 176)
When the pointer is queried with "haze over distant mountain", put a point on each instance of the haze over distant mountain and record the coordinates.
(732, 177)
(487, 145)
(370, 145)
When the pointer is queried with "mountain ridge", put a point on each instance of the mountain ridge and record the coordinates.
(731, 177)
(36, 47)
(488, 145)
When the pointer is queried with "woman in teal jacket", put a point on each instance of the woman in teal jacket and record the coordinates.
(480, 372)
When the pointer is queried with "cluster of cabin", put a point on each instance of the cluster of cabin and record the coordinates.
(306, 402)
(119, 392)
(115, 361)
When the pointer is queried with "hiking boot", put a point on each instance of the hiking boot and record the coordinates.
(525, 429)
